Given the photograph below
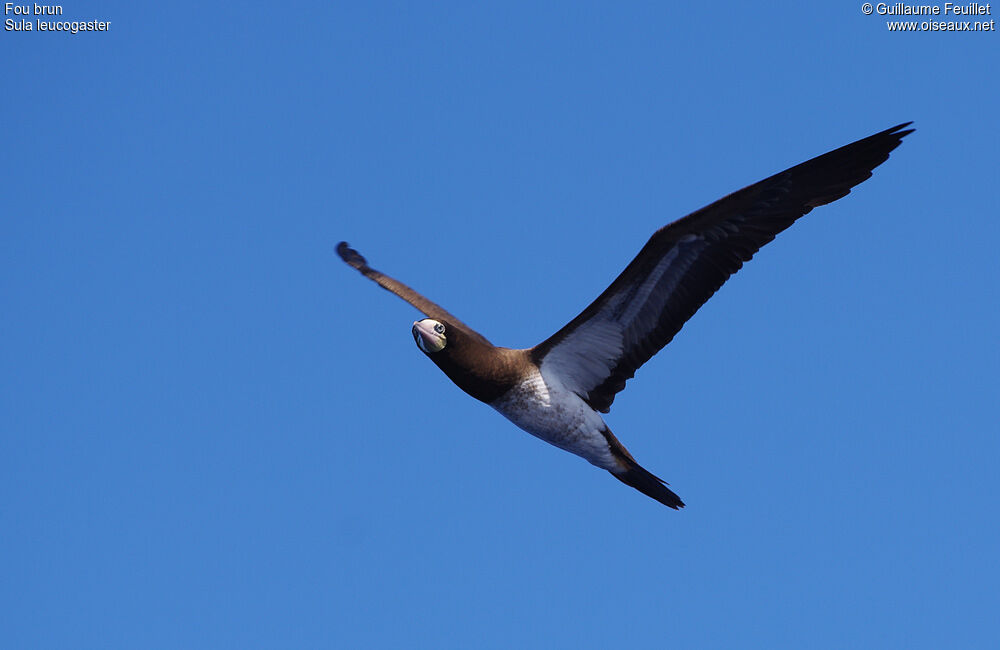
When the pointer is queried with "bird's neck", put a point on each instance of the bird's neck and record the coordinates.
(483, 371)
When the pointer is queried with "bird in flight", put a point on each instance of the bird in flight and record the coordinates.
(558, 389)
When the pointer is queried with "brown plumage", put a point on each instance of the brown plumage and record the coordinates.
(734, 229)
(556, 389)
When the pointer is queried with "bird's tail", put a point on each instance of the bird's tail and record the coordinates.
(650, 485)
(634, 475)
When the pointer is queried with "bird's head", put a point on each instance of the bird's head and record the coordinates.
(430, 335)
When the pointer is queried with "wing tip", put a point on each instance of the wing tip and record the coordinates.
(892, 136)
(895, 131)
(352, 257)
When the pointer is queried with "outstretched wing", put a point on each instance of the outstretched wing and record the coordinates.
(429, 308)
(685, 262)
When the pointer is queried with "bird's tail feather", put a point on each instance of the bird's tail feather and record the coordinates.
(634, 475)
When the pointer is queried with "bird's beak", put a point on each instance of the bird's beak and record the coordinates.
(427, 339)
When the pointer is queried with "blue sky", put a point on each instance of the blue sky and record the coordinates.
(215, 434)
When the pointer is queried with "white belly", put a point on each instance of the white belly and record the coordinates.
(547, 410)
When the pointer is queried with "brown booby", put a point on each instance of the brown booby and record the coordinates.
(558, 389)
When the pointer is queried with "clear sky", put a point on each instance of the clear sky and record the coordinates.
(216, 435)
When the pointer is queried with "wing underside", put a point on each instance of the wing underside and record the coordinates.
(426, 306)
(684, 263)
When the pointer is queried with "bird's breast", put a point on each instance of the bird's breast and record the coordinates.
(547, 410)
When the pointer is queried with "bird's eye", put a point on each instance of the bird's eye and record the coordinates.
(439, 328)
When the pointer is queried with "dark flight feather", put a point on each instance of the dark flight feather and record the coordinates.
(429, 308)
(708, 246)
(678, 269)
